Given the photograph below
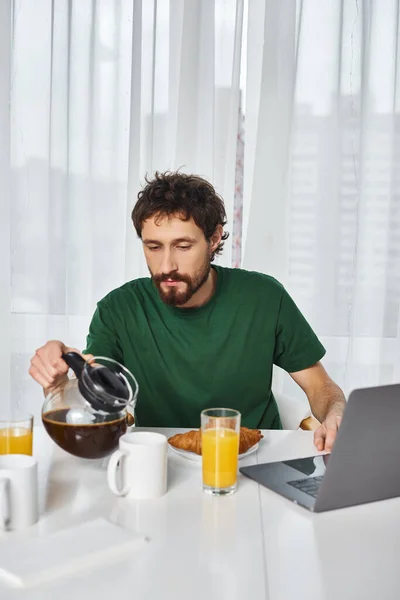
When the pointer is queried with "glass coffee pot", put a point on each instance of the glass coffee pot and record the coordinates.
(86, 415)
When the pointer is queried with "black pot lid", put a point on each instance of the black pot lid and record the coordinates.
(106, 387)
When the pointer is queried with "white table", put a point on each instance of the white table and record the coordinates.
(254, 544)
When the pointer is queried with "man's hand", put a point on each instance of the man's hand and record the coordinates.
(47, 366)
(326, 400)
(325, 435)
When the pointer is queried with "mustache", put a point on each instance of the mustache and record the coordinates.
(171, 277)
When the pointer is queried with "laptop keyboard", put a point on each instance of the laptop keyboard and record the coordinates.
(309, 486)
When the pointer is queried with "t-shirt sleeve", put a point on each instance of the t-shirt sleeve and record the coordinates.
(102, 339)
(296, 345)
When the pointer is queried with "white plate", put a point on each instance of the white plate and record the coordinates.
(197, 457)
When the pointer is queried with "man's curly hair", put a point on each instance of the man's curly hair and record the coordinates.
(188, 196)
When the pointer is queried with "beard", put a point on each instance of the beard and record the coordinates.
(193, 283)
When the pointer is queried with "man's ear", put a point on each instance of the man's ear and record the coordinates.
(216, 238)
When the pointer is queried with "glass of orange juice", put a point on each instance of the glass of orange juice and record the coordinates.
(220, 430)
(16, 434)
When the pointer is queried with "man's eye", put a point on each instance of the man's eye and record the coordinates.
(184, 247)
(152, 248)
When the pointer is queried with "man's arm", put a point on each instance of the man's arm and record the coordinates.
(327, 403)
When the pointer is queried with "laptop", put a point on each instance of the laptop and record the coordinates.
(362, 467)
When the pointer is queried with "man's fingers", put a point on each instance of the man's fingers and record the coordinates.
(331, 431)
(325, 435)
(57, 366)
(88, 357)
(39, 367)
(319, 438)
(52, 366)
(330, 439)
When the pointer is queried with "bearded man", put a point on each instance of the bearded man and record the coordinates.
(197, 335)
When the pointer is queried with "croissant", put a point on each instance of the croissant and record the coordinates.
(248, 438)
(191, 440)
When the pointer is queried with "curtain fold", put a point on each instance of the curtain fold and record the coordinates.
(271, 83)
(5, 203)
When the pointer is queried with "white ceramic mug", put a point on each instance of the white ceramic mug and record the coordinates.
(142, 457)
(18, 491)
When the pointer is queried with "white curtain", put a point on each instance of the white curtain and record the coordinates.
(94, 95)
(290, 108)
(322, 173)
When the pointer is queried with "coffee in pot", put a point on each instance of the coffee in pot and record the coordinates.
(88, 414)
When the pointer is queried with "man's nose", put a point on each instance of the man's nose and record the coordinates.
(168, 263)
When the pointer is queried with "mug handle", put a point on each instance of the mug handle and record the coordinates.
(5, 516)
(117, 457)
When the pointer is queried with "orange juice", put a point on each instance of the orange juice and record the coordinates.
(220, 449)
(15, 440)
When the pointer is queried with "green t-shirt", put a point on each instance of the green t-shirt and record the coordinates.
(218, 355)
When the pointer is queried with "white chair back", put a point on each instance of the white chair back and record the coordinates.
(292, 410)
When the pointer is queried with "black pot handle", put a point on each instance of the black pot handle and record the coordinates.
(75, 362)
